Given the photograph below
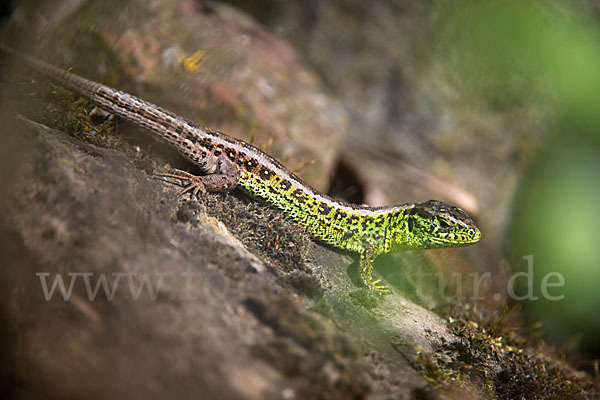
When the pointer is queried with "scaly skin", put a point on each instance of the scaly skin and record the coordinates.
(230, 162)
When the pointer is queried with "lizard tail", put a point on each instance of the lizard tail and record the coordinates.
(84, 86)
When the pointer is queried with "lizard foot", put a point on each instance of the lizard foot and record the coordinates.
(380, 290)
(191, 183)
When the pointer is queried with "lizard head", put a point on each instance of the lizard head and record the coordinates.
(431, 225)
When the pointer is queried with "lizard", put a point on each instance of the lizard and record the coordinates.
(228, 163)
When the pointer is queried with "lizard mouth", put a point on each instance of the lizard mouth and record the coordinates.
(456, 240)
(475, 235)
(472, 236)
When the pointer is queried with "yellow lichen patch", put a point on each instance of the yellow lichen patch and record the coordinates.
(192, 63)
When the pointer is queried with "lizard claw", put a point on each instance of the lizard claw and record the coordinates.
(196, 186)
(191, 183)
(379, 289)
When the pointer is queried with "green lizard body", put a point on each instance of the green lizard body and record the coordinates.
(230, 162)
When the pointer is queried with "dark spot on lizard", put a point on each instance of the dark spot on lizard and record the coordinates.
(353, 220)
(207, 144)
(285, 184)
(340, 215)
(218, 149)
(232, 154)
(266, 173)
(365, 222)
(299, 195)
(191, 137)
(324, 209)
(166, 124)
(251, 163)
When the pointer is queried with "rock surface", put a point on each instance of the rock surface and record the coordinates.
(189, 308)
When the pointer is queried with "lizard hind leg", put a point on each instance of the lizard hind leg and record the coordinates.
(190, 182)
(196, 184)
(223, 176)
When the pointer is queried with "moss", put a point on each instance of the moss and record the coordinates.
(264, 230)
(42, 101)
(506, 366)
(363, 298)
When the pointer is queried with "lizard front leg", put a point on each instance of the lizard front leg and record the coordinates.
(367, 257)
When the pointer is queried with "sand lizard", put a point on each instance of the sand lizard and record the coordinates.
(229, 162)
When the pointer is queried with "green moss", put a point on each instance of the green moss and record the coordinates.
(55, 106)
(363, 298)
(59, 108)
(504, 365)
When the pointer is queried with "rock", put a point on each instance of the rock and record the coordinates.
(110, 274)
